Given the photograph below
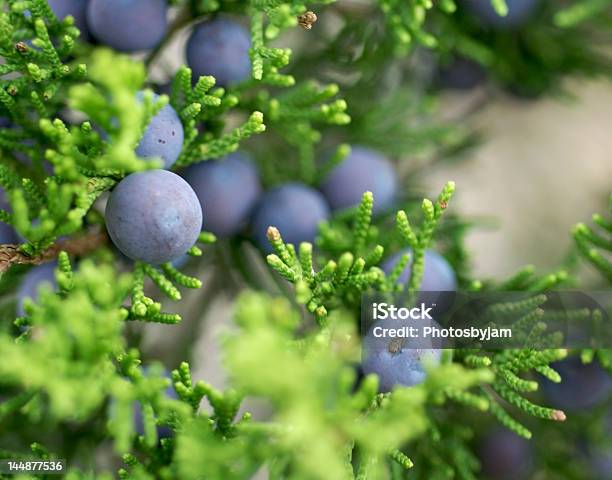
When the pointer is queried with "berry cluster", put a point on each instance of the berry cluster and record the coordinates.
(219, 47)
(156, 216)
(230, 192)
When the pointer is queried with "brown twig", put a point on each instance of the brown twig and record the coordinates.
(10, 254)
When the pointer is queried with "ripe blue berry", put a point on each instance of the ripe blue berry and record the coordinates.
(163, 137)
(361, 171)
(220, 48)
(582, 386)
(519, 12)
(295, 209)
(32, 282)
(153, 216)
(505, 456)
(4, 121)
(228, 189)
(76, 8)
(398, 361)
(461, 74)
(438, 275)
(128, 25)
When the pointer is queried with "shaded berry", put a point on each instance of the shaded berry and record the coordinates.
(361, 171)
(461, 74)
(163, 136)
(505, 456)
(128, 25)
(438, 275)
(220, 48)
(76, 8)
(228, 189)
(582, 385)
(295, 209)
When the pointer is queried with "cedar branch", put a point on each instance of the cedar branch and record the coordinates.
(11, 255)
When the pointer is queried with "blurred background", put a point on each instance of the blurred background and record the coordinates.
(544, 165)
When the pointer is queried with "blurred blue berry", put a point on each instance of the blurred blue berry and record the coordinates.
(582, 385)
(163, 137)
(505, 456)
(601, 455)
(153, 216)
(76, 8)
(5, 121)
(602, 463)
(7, 233)
(461, 74)
(519, 12)
(295, 209)
(128, 25)
(220, 48)
(227, 189)
(438, 275)
(31, 283)
(361, 171)
(398, 361)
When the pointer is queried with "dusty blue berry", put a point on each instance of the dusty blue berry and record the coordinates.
(220, 48)
(31, 283)
(153, 216)
(582, 386)
(128, 25)
(5, 122)
(519, 12)
(438, 275)
(461, 74)
(163, 136)
(228, 190)
(361, 171)
(295, 209)
(76, 8)
(505, 456)
(398, 361)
